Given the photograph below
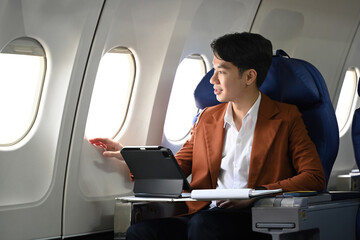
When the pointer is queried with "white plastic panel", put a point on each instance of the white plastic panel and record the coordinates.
(213, 19)
(32, 172)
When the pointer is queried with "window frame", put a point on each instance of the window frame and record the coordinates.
(186, 135)
(351, 104)
(30, 47)
(130, 52)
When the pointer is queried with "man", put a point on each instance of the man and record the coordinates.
(247, 141)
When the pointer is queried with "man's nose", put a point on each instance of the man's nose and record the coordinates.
(213, 79)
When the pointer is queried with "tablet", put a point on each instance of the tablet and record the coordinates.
(156, 171)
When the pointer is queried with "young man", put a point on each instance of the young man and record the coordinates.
(247, 141)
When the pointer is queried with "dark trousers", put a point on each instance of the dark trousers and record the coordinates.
(207, 224)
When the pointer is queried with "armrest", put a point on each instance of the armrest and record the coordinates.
(288, 201)
(317, 216)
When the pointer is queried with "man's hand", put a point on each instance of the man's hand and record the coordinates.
(111, 148)
(235, 204)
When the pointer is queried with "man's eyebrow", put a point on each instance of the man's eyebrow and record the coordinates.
(220, 66)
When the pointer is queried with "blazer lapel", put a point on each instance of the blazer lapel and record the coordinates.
(214, 140)
(265, 132)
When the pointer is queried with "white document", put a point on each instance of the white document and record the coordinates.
(218, 194)
(127, 199)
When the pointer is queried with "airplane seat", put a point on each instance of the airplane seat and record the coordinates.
(355, 135)
(296, 82)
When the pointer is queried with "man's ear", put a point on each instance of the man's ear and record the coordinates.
(251, 76)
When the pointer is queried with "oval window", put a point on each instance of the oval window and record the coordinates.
(347, 100)
(111, 94)
(23, 67)
(182, 109)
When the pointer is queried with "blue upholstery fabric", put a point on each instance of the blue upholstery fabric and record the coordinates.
(358, 226)
(292, 81)
(296, 82)
(355, 133)
(204, 92)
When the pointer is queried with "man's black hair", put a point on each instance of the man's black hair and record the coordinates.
(246, 51)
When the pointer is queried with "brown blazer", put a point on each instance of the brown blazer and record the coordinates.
(282, 156)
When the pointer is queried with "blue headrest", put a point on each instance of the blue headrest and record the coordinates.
(204, 92)
(291, 81)
(296, 82)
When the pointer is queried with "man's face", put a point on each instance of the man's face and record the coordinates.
(229, 84)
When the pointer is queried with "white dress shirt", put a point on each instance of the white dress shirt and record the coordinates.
(234, 169)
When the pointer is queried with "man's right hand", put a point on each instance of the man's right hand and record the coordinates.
(111, 148)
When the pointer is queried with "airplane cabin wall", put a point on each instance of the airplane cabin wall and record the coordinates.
(93, 182)
(32, 171)
(54, 183)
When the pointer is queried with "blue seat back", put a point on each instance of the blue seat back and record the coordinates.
(296, 82)
(355, 132)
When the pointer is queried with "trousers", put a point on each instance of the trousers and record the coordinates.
(209, 224)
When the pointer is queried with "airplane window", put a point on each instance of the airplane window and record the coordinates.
(347, 100)
(182, 109)
(111, 94)
(22, 66)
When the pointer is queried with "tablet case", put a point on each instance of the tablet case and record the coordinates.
(156, 171)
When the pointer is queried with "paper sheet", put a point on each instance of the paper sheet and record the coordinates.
(218, 194)
(214, 194)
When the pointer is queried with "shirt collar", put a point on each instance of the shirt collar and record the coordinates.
(253, 112)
